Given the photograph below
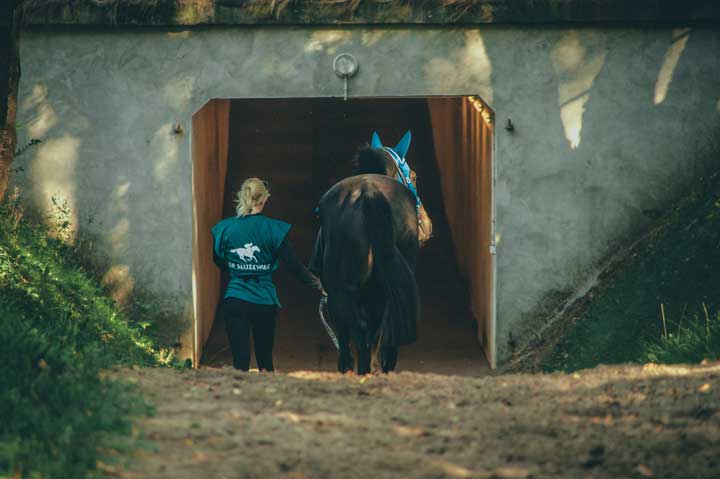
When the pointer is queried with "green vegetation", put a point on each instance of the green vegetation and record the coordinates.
(687, 342)
(675, 274)
(58, 329)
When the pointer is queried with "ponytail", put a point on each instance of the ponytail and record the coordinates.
(252, 192)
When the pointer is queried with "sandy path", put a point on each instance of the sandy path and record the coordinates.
(608, 422)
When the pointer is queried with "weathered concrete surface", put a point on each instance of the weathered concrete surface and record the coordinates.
(609, 124)
(324, 12)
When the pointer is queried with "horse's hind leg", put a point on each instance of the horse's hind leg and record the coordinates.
(346, 362)
(388, 358)
(339, 308)
(361, 338)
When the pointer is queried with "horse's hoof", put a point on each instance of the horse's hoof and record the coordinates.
(345, 363)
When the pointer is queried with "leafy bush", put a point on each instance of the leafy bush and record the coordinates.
(58, 329)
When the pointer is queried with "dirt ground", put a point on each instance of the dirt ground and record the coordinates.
(627, 421)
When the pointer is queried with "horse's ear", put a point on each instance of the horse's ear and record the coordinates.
(403, 145)
(375, 142)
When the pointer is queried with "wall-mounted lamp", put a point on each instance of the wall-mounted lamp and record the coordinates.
(345, 66)
(177, 128)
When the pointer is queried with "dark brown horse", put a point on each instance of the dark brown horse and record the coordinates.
(365, 254)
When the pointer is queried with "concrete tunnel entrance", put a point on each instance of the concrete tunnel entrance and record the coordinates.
(304, 146)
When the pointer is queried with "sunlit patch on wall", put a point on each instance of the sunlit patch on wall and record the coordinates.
(43, 120)
(467, 65)
(119, 283)
(577, 60)
(371, 38)
(43, 117)
(327, 41)
(571, 116)
(53, 172)
(38, 95)
(163, 151)
(122, 190)
(119, 237)
(178, 92)
(672, 56)
(119, 210)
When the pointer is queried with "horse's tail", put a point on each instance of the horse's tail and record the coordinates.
(392, 272)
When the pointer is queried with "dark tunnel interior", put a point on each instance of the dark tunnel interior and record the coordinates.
(304, 146)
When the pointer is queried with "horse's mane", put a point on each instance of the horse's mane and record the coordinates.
(370, 160)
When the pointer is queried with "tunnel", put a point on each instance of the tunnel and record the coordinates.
(305, 145)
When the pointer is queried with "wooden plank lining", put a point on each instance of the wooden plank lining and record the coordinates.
(209, 151)
(463, 148)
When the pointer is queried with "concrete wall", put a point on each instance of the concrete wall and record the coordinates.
(609, 123)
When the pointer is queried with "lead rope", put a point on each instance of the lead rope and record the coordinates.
(321, 307)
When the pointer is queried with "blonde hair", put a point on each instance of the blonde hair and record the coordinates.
(252, 192)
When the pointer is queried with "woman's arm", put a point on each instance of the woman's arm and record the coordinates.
(297, 269)
(218, 256)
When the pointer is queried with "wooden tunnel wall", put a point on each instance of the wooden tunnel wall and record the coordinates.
(210, 128)
(462, 133)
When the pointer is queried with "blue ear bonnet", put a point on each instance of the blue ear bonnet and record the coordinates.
(398, 156)
(403, 145)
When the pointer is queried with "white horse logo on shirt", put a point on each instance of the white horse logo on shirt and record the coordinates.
(247, 252)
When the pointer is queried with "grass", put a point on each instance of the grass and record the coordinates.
(689, 341)
(676, 273)
(58, 329)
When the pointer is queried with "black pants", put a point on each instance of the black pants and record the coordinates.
(240, 318)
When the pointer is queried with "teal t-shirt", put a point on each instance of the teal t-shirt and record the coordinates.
(248, 246)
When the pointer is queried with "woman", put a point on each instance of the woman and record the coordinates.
(248, 245)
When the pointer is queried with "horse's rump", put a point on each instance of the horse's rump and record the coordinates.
(367, 248)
